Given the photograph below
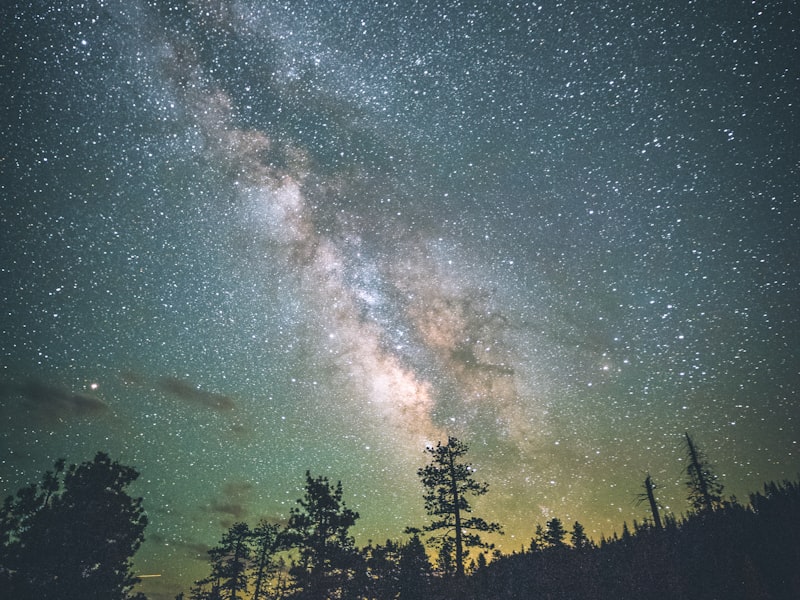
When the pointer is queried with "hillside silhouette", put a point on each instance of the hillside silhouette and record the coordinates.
(73, 535)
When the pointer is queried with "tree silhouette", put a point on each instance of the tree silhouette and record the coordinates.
(737, 553)
(229, 560)
(554, 533)
(445, 561)
(447, 483)
(268, 539)
(649, 495)
(243, 556)
(415, 570)
(382, 575)
(73, 535)
(319, 528)
(705, 492)
(578, 537)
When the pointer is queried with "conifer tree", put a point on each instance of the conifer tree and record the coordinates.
(578, 537)
(73, 535)
(415, 570)
(229, 561)
(555, 533)
(267, 540)
(705, 491)
(319, 527)
(447, 482)
(538, 542)
(445, 563)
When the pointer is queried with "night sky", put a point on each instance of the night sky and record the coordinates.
(240, 240)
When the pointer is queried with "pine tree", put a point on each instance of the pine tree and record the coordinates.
(267, 540)
(445, 562)
(705, 491)
(229, 560)
(73, 535)
(447, 483)
(578, 537)
(383, 570)
(320, 529)
(538, 542)
(415, 570)
(555, 533)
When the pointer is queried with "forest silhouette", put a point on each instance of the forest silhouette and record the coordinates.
(74, 534)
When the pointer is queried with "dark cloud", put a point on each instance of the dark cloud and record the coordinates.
(234, 509)
(197, 550)
(233, 500)
(52, 402)
(185, 390)
(237, 488)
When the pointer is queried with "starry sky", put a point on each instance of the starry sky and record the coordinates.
(241, 239)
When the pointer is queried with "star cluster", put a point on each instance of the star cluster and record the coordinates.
(244, 239)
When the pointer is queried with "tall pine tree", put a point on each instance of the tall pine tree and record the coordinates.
(319, 527)
(705, 491)
(447, 483)
(268, 540)
(229, 562)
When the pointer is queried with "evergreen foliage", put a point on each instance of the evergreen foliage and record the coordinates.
(319, 528)
(705, 490)
(415, 570)
(578, 537)
(447, 483)
(229, 562)
(555, 533)
(73, 535)
(735, 552)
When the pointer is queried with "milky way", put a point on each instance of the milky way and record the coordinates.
(241, 240)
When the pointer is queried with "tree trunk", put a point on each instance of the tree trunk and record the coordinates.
(697, 467)
(648, 486)
(457, 515)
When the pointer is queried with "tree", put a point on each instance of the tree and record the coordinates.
(319, 528)
(555, 533)
(447, 483)
(268, 540)
(229, 560)
(243, 556)
(445, 562)
(200, 592)
(649, 495)
(73, 535)
(538, 542)
(383, 570)
(578, 537)
(415, 570)
(705, 492)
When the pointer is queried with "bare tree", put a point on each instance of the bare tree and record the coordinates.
(649, 495)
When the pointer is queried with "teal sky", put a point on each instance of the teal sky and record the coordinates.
(242, 240)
